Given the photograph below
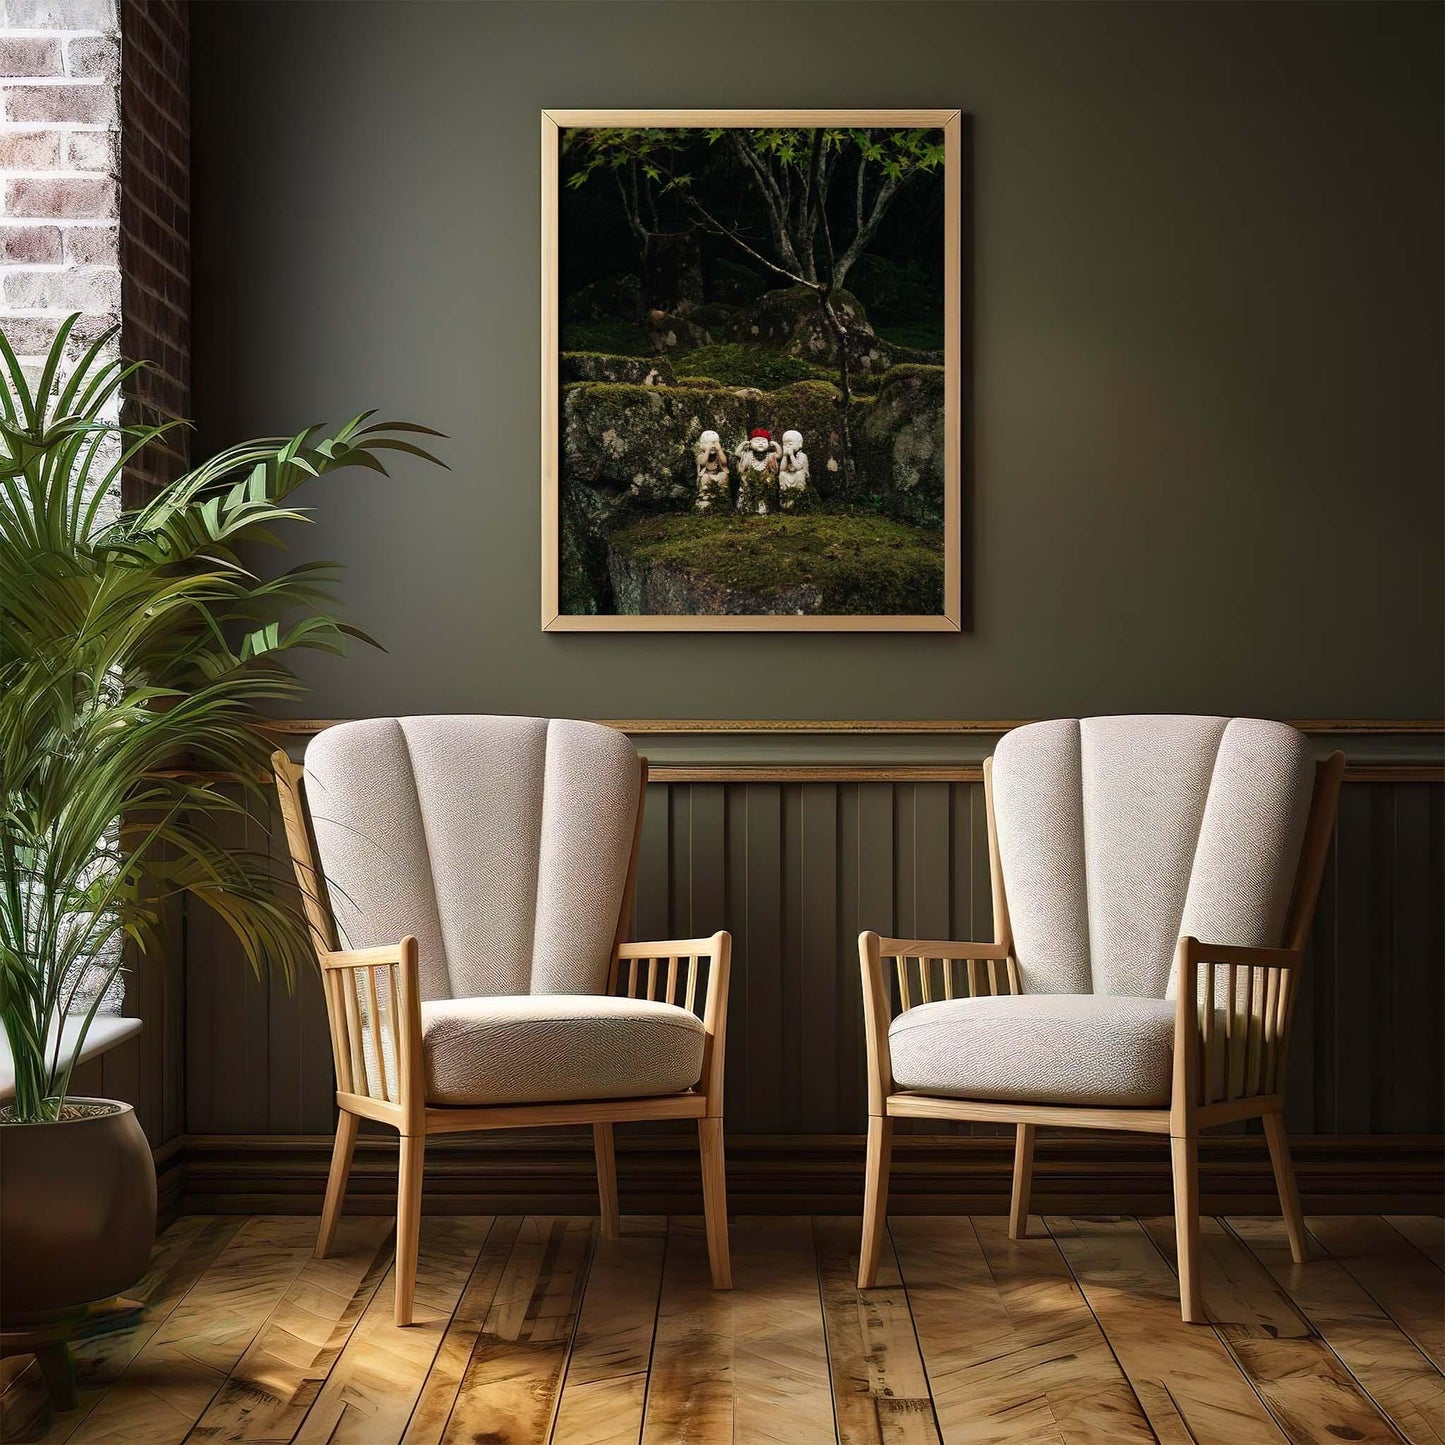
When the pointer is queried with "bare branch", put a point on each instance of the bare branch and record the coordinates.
(719, 229)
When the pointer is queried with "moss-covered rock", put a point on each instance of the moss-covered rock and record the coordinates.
(617, 296)
(899, 444)
(588, 515)
(715, 314)
(791, 321)
(732, 282)
(669, 332)
(824, 563)
(773, 317)
(599, 366)
(640, 439)
(698, 383)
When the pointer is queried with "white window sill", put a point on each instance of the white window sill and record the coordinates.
(106, 1031)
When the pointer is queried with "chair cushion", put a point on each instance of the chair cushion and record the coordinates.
(544, 1048)
(1038, 1049)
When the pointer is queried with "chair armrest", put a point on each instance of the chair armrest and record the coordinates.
(1254, 990)
(387, 981)
(1238, 953)
(875, 952)
(667, 970)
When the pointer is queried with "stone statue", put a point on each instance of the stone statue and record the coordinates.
(794, 493)
(757, 460)
(714, 481)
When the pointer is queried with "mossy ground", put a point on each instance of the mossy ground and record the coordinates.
(612, 337)
(737, 363)
(860, 562)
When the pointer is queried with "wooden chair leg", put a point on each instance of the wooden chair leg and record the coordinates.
(1185, 1151)
(606, 1179)
(341, 1153)
(408, 1222)
(1018, 1215)
(715, 1200)
(875, 1197)
(1284, 1180)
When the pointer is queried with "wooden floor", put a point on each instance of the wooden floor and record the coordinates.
(535, 1329)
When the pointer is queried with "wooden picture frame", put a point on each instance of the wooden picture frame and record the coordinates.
(950, 618)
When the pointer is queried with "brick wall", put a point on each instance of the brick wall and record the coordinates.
(59, 129)
(155, 255)
(95, 193)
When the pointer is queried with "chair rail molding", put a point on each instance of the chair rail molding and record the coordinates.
(700, 750)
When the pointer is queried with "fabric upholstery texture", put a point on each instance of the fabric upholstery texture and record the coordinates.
(502, 843)
(1118, 834)
(1038, 1048)
(542, 1048)
(1038, 796)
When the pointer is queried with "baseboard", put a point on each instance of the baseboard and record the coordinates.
(773, 1174)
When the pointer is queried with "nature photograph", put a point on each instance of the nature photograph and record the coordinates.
(752, 387)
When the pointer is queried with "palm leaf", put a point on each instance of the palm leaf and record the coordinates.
(124, 646)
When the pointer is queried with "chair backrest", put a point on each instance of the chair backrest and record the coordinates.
(502, 843)
(1118, 834)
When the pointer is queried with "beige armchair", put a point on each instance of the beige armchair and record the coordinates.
(1154, 880)
(468, 882)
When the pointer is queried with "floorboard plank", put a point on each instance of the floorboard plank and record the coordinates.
(780, 1350)
(606, 1382)
(1309, 1392)
(1190, 1387)
(880, 1388)
(25, 1407)
(1392, 1272)
(170, 1381)
(181, 1256)
(1012, 1350)
(1386, 1364)
(690, 1385)
(369, 1395)
(267, 1395)
(439, 1391)
(1425, 1231)
(508, 1393)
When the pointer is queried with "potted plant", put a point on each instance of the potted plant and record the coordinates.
(135, 648)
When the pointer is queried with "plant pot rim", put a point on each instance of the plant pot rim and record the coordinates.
(112, 1107)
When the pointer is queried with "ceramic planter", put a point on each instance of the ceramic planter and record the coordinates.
(77, 1211)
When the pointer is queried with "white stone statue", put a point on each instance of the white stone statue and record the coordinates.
(757, 460)
(793, 491)
(714, 481)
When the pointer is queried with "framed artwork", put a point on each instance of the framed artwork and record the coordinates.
(752, 370)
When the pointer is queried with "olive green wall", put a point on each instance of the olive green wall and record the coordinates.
(1207, 322)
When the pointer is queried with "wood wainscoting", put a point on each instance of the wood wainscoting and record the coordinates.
(797, 836)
